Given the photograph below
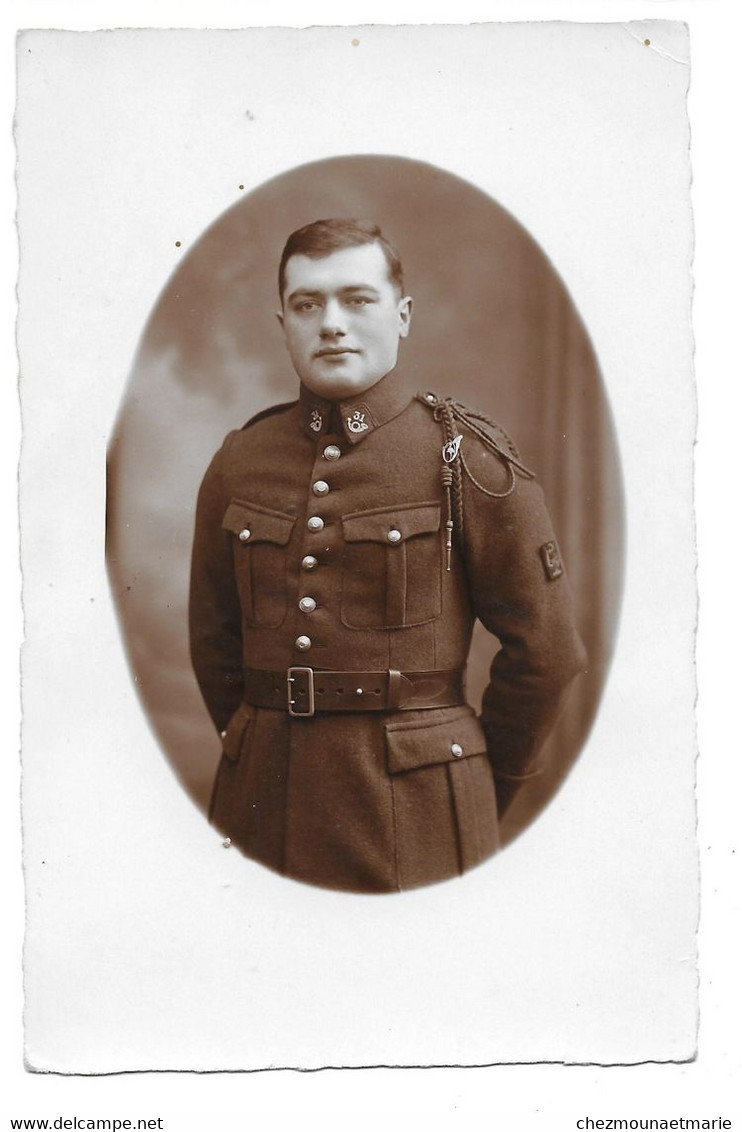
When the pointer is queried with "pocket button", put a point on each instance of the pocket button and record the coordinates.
(457, 750)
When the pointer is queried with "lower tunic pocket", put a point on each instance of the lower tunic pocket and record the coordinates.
(444, 796)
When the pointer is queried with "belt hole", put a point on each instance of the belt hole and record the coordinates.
(377, 691)
(320, 691)
(339, 691)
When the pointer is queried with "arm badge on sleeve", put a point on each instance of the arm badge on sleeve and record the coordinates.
(552, 560)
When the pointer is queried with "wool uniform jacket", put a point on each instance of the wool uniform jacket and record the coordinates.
(320, 542)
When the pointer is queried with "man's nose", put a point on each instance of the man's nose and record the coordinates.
(333, 321)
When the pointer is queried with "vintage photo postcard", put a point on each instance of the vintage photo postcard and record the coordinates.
(358, 550)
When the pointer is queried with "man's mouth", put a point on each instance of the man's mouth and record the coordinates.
(334, 351)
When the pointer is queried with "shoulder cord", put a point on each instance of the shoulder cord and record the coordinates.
(451, 479)
(448, 412)
(469, 417)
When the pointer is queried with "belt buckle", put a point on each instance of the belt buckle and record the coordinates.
(293, 691)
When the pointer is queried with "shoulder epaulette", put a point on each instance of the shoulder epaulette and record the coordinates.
(452, 415)
(492, 434)
(268, 413)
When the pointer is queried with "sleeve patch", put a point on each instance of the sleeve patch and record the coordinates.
(552, 560)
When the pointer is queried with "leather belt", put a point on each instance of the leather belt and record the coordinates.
(303, 691)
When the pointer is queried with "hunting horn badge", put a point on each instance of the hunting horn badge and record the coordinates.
(357, 423)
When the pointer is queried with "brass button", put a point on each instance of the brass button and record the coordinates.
(308, 562)
(303, 643)
(331, 452)
(244, 535)
(315, 523)
(394, 536)
(320, 487)
(307, 605)
(457, 750)
(223, 734)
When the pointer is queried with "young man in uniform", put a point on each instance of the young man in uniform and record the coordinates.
(344, 545)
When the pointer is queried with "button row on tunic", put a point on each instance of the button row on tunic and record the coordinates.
(315, 524)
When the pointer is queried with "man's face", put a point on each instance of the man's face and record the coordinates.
(343, 319)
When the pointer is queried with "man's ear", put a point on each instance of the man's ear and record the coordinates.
(279, 316)
(404, 310)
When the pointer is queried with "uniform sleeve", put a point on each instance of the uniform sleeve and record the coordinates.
(520, 594)
(214, 609)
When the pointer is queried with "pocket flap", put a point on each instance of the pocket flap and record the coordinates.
(408, 519)
(234, 734)
(262, 524)
(417, 744)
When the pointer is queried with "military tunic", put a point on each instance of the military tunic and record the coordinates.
(320, 542)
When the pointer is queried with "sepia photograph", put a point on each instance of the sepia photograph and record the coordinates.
(347, 540)
(358, 547)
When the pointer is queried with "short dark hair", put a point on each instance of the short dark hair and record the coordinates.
(323, 237)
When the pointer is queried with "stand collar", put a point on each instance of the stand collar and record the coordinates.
(354, 418)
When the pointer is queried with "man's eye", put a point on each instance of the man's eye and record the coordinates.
(359, 301)
(307, 305)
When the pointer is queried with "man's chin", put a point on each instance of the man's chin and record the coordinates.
(340, 383)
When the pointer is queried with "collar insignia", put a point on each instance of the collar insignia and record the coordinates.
(357, 422)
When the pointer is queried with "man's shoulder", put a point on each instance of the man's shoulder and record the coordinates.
(454, 415)
(481, 455)
(238, 441)
(271, 411)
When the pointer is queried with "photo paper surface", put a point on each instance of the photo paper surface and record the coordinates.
(150, 945)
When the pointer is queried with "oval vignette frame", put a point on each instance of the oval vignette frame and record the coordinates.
(494, 326)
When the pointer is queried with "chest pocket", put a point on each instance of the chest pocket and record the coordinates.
(260, 539)
(392, 566)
